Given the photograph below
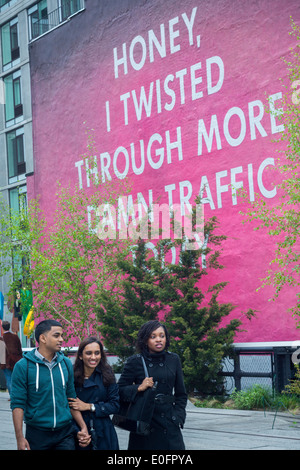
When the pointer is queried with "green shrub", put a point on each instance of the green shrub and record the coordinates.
(256, 398)
(294, 387)
(253, 398)
(210, 403)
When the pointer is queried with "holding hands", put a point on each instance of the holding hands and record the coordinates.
(83, 436)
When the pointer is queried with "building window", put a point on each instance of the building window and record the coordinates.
(18, 200)
(69, 7)
(10, 44)
(13, 98)
(16, 155)
(18, 205)
(5, 3)
(38, 19)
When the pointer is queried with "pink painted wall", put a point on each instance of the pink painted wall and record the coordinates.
(215, 67)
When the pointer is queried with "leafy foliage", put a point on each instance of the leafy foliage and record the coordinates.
(294, 386)
(67, 261)
(283, 219)
(254, 398)
(70, 263)
(153, 287)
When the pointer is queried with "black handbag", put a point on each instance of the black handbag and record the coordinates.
(136, 416)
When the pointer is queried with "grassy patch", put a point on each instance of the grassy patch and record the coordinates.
(254, 398)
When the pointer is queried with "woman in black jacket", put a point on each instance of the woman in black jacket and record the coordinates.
(97, 394)
(170, 402)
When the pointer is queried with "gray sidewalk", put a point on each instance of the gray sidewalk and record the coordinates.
(206, 429)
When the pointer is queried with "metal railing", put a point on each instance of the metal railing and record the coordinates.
(56, 17)
(267, 366)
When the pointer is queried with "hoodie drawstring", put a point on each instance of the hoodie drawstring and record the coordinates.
(62, 375)
(37, 377)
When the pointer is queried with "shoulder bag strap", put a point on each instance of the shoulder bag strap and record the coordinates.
(145, 367)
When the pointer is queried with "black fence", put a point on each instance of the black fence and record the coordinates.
(268, 366)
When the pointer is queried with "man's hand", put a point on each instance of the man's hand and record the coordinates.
(83, 437)
(22, 443)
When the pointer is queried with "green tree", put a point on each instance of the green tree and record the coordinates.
(282, 220)
(195, 320)
(70, 263)
(121, 315)
(15, 245)
(153, 287)
(66, 258)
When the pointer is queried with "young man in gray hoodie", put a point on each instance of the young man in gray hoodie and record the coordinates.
(42, 382)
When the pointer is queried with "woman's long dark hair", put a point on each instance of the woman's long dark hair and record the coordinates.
(145, 333)
(104, 367)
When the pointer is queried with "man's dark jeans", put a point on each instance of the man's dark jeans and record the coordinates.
(56, 439)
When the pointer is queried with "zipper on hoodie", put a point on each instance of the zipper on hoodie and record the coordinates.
(53, 390)
(52, 386)
(53, 398)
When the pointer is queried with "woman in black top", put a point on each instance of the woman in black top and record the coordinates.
(164, 368)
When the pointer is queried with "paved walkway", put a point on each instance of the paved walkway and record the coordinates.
(206, 429)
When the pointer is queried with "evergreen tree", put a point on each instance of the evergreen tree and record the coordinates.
(194, 317)
(155, 288)
(121, 314)
(194, 324)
